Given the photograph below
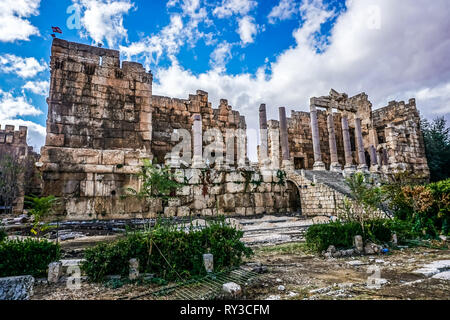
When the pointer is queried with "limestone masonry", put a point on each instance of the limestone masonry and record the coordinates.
(103, 121)
(14, 143)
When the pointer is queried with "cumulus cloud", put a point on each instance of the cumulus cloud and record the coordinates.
(14, 24)
(221, 55)
(151, 48)
(38, 87)
(388, 49)
(247, 29)
(182, 29)
(286, 9)
(12, 107)
(23, 67)
(234, 7)
(103, 19)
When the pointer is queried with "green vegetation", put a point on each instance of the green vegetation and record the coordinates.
(167, 252)
(41, 208)
(3, 234)
(436, 137)
(27, 257)
(419, 212)
(425, 207)
(158, 181)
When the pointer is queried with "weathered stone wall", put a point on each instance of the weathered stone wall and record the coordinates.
(14, 143)
(98, 128)
(300, 138)
(398, 132)
(246, 192)
(170, 114)
(395, 128)
(316, 198)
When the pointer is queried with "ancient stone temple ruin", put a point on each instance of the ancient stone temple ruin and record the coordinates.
(103, 120)
(342, 133)
(14, 144)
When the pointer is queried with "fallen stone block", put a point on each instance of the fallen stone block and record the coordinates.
(208, 262)
(54, 272)
(16, 288)
(134, 269)
(232, 289)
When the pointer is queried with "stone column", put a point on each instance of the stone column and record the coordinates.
(360, 145)
(286, 161)
(197, 132)
(373, 159)
(318, 164)
(335, 166)
(349, 167)
(263, 149)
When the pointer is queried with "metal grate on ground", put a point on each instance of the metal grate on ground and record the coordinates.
(207, 288)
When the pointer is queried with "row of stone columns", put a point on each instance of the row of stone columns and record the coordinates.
(318, 163)
(335, 166)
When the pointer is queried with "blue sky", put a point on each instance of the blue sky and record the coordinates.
(278, 52)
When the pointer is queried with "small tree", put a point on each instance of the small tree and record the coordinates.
(436, 137)
(10, 171)
(158, 182)
(366, 200)
(41, 208)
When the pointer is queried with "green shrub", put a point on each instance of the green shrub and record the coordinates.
(3, 234)
(167, 252)
(403, 229)
(341, 234)
(320, 236)
(27, 257)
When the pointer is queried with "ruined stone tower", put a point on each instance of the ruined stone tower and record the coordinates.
(99, 127)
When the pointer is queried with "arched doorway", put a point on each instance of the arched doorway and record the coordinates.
(294, 198)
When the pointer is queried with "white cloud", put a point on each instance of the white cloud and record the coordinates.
(234, 7)
(220, 56)
(183, 29)
(13, 23)
(247, 29)
(38, 87)
(286, 9)
(12, 107)
(103, 19)
(23, 67)
(400, 56)
(151, 48)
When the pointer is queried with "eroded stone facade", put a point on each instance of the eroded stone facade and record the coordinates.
(103, 121)
(390, 137)
(14, 143)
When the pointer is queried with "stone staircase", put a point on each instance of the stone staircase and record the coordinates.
(334, 180)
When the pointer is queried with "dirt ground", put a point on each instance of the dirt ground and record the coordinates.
(295, 273)
(306, 276)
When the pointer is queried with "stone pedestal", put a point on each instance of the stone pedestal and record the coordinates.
(54, 272)
(134, 269)
(208, 262)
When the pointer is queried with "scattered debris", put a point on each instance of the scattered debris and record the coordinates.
(434, 268)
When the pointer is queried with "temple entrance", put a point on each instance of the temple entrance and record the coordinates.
(299, 163)
(294, 198)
